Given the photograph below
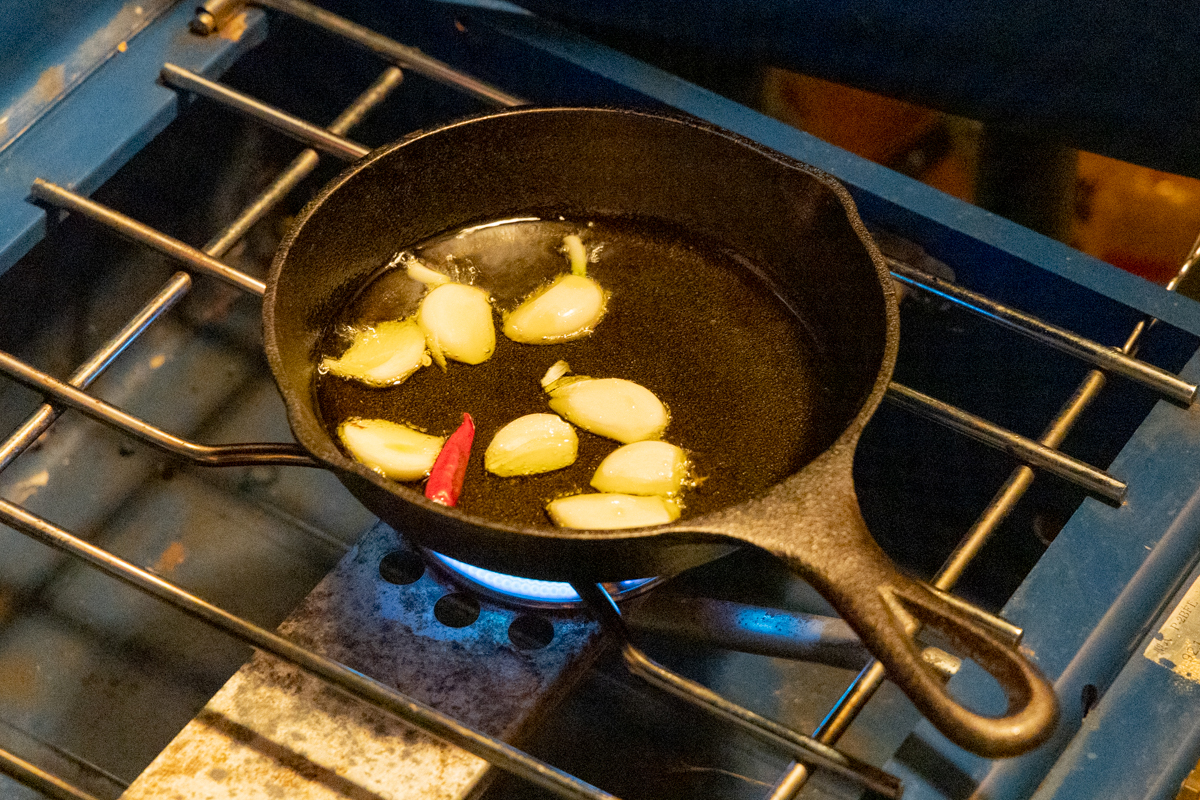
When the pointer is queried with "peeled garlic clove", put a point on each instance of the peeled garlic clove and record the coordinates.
(390, 448)
(566, 309)
(530, 445)
(610, 511)
(457, 320)
(642, 468)
(612, 407)
(383, 355)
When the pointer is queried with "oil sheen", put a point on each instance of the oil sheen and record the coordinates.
(699, 327)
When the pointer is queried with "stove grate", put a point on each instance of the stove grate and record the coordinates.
(1041, 453)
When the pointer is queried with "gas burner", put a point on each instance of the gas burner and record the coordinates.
(527, 592)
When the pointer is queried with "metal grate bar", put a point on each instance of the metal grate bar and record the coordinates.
(799, 746)
(303, 164)
(144, 234)
(41, 420)
(38, 779)
(1012, 634)
(1095, 481)
(402, 55)
(65, 765)
(349, 681)
(299, 129)
(228, 455)
(1110, 359)
(1016, 484)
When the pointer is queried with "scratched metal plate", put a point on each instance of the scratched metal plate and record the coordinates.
(273, 731)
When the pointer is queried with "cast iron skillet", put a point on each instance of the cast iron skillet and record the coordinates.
(773, 223)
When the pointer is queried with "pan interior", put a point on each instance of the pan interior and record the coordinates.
(748, 393)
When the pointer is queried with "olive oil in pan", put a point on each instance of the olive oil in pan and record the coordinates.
(684, 319)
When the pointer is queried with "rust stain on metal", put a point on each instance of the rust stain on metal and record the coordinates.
(171, 558)
(18, 680)
(234, 29)
(8, 604)
(51, 82)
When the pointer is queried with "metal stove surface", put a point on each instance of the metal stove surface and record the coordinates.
(97, 680)
(274, 731)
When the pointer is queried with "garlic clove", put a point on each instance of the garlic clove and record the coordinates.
(382, 355)
(567, 309)
(612, 407)
(457, 320)
(390, 448)
(610, 511)
(530, 445)
(642, 468)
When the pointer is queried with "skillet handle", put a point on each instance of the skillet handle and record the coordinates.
(885, 608)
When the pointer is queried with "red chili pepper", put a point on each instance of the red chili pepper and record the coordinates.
(446, 478)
